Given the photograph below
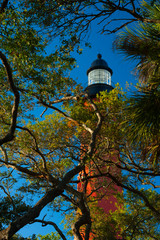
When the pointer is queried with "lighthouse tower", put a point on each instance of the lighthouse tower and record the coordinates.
(99, 77)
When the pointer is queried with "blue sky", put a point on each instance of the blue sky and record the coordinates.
(122, 68)
(122, 73)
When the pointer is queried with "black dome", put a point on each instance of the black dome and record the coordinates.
(99, 63)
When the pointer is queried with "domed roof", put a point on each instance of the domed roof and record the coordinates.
(99, 63)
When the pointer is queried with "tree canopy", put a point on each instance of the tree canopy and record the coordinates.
(45, 156)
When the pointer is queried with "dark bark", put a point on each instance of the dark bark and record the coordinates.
(84, 219)
(10, 135)
(3, 6)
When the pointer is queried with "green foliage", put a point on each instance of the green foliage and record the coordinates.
(146, 116)
(135, 220)
(131, 220)
(142, 44)
(34, 71)
(49, 236)
(11, 208)
(142, 111)
(19, 237)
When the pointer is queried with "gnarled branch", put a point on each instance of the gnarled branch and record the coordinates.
(10, 135)
(45, 223)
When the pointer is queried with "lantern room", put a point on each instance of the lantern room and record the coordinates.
(99, 77)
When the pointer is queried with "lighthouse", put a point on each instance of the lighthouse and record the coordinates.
(99, 77)
(99, 80)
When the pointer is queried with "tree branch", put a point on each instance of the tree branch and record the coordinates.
(45, 223)
(84, 219)
(10, 135)
(137, 192)
(36, 149)
(36, 210)
(65, 115)
(3, 6)
(96, 130)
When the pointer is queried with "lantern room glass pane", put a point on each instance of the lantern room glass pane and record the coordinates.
(99, 76)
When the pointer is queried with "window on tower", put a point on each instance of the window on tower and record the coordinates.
(99, 76)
